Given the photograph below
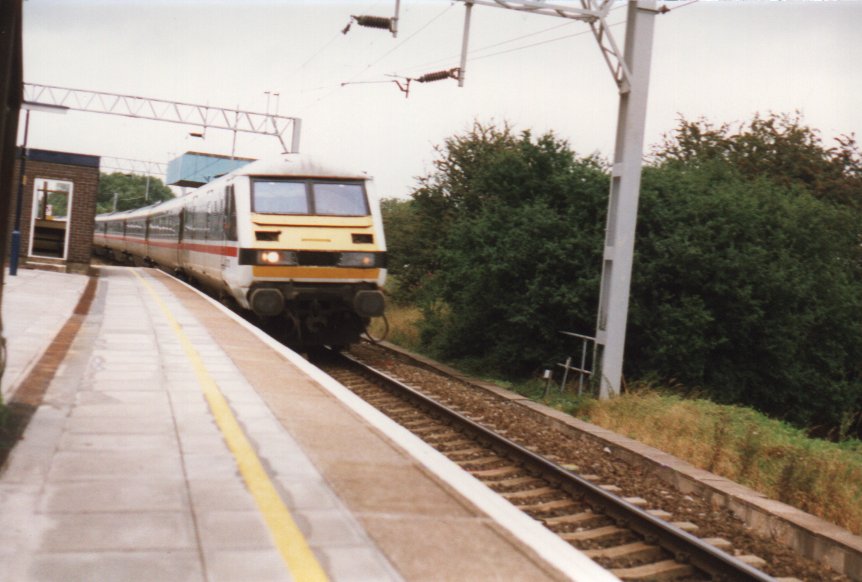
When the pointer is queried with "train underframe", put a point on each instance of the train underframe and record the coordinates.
(304, 315)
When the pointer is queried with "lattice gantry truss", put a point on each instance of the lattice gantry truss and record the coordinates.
(204, 116)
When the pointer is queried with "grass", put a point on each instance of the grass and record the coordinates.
(820, 477)
(780, 461)
(402, 326)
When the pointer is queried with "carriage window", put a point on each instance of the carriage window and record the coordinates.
(339, 199)
(273, 197)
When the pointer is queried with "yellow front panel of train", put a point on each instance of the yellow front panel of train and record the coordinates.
(327, 273)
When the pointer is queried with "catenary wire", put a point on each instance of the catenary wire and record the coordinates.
(490, 46)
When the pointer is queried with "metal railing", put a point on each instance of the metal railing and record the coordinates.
(581, 370)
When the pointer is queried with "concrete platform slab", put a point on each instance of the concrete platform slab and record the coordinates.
(178, 443)
(127, 531)
(183, 566)
(146, 494)
(242, 565)
(233, 530)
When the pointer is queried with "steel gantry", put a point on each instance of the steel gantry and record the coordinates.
(204, 116)
(630, 70)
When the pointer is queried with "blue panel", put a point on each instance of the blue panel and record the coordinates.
(196, 169)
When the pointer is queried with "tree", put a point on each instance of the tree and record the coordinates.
(401, 225)
(129, 191)
(750, 290)
(511, 230)
(778, 147)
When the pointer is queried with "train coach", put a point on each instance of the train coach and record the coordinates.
(298, 244)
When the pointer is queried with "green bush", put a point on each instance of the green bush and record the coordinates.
(750, 290)
(517, 240)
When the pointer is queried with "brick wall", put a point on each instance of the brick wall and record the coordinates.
(85, 180)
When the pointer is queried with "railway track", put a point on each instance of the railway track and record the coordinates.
(618, 533)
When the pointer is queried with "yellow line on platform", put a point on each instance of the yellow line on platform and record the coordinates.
(292, 545)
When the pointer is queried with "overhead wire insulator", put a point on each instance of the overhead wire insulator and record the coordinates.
(374, 22)
(439, 76)
(371, 22)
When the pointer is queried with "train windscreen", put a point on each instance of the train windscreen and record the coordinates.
(279, 197)
(309, 197)
(338, 199)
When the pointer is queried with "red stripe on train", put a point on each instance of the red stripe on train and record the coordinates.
(227, 251)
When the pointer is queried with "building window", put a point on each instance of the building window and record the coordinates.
(52, 199)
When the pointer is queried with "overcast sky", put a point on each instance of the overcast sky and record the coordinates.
(721, 60)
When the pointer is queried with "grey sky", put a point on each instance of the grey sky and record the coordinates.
(721, 60)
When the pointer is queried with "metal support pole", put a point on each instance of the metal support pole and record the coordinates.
(19, 202)
(233, 144)
(567, 366)
(394, 26)
(294, 140)
(623, 201)
(583, 367)
(465, 41)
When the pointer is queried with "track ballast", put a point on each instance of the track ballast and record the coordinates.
(633, 543)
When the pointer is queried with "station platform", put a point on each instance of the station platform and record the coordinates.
(175, 441)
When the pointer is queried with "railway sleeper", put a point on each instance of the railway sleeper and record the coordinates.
(447, 435)
(384, 401)
(455, 448)
(436, 434)
(394, 406)
(599, 534)
(659, 571)
(584, 519)
(467, 454)
(479, 463)
(634, 552)
(368, 395)
(525, 494)
(557, 505)
(420, 424)
(511, 486)
(720, 543)
(579, 519)
(491, 476)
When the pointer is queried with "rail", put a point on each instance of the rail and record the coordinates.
(682, 545)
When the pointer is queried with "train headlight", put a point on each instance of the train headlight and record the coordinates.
(276, 258)
(356, 260)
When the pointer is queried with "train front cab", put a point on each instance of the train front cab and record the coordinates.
(316, 252)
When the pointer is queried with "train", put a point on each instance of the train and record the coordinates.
(293, 243)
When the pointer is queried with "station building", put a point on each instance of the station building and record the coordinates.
(58, 209)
